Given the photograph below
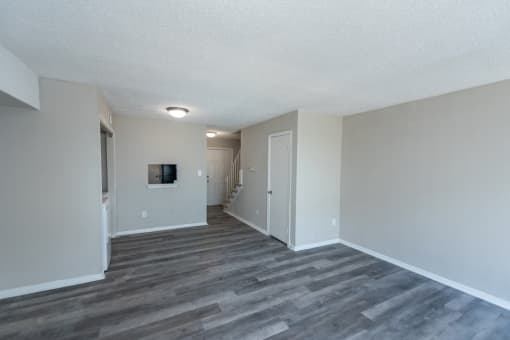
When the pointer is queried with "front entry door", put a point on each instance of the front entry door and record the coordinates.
(218, 164)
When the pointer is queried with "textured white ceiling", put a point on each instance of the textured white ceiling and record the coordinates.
(237, 62)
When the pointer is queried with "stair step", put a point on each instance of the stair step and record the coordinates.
(237, 188)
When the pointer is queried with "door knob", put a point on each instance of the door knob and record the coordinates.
(270, 192)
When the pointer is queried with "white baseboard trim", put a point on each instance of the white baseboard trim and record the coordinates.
(7, 293)
(314, 245)
(154, 229)
(447, 282)
(248, 223)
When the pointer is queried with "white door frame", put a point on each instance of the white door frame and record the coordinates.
(111, 145)
(226, 148)
(268, 208)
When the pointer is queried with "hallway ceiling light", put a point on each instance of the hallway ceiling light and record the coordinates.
(177, 112)
(211, 134)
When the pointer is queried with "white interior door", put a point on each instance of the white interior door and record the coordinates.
(279, 182)
(218, 164)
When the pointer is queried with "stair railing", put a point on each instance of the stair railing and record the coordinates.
(234, 176)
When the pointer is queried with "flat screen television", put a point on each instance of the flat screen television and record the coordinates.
(162, 173)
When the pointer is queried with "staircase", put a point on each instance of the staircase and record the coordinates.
(233, 181)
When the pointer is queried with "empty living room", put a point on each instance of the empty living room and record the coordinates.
(255, 169)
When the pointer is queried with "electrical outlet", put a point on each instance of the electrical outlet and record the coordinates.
(144, 213)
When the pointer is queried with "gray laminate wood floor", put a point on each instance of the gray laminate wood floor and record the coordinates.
(227, 281)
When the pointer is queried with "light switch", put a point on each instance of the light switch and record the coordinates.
(199, 172)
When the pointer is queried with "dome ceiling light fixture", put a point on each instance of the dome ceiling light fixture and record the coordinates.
(177, 112)
(211, 134)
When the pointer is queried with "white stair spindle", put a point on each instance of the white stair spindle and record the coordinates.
(234, 180)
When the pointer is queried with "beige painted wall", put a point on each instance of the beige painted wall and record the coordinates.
(318, 178)
(428, 183)
(234, 144)
(142, 141)
(254, 141)
(50, 187)
(315, 175)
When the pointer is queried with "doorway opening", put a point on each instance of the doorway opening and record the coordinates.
(224, 173)
(219, 161)
(108, 189)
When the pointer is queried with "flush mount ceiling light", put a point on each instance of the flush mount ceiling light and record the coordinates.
(177, 112)
(211, 134)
